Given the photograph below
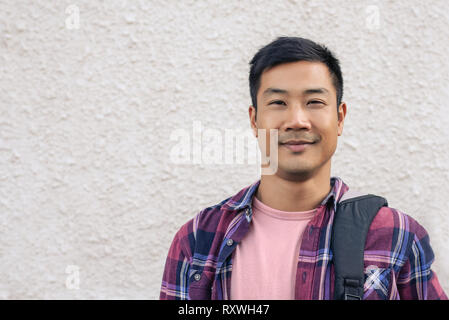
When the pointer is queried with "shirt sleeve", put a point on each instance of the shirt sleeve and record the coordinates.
(416, 280)
(177, 265)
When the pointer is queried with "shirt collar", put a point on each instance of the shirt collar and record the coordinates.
(243, 199)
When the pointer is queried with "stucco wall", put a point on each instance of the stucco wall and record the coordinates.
(92, 91)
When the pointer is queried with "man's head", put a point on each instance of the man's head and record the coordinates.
(291, 49)
(296, 87)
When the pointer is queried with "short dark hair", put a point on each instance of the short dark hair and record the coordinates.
(291, 49)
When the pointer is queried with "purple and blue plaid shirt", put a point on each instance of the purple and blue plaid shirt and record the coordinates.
(397, 257)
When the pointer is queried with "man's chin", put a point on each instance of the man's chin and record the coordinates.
(294, 173)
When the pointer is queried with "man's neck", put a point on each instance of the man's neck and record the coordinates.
(289, 195)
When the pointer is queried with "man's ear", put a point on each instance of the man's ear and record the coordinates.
(341, 117)
(253, 119)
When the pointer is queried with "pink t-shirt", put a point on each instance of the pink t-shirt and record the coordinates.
(265, 261)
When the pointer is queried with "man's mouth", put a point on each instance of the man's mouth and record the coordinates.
(297, 145)
(293, 142)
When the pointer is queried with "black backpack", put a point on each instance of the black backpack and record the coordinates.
(355, 212)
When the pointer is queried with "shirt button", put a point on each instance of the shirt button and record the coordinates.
(230, 242)
(197, 276)
(247, 212)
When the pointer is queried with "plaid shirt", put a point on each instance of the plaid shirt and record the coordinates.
(397, 257)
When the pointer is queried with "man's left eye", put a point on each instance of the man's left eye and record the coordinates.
(316, 101)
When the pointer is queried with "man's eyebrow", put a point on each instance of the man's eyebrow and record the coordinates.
(270, 91)
(316, 90)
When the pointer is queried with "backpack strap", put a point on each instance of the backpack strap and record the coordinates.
(355, 212)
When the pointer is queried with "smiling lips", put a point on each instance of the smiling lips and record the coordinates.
(297, 145)
(297, 142)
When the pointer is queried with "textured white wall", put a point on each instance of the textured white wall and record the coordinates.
(88, 105)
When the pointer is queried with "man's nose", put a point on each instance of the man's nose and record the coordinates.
(297, 118)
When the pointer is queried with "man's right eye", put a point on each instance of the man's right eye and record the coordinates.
(277, 102)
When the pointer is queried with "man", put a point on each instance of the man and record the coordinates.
(272, 239)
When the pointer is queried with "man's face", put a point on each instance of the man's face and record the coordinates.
(299, 100)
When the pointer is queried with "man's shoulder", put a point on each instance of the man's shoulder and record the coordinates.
(215, 219)
(202, 235)
(392, 218)
(393, 233)
(210, 217)
(222, 213)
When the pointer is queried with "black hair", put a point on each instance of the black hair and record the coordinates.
(292, 49)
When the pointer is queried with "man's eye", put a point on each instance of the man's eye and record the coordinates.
(315, 102)
(277, 102)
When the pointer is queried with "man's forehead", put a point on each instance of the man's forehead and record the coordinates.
(302, 75)
(300, 67)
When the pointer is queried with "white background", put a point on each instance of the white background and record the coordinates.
(89, 196)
